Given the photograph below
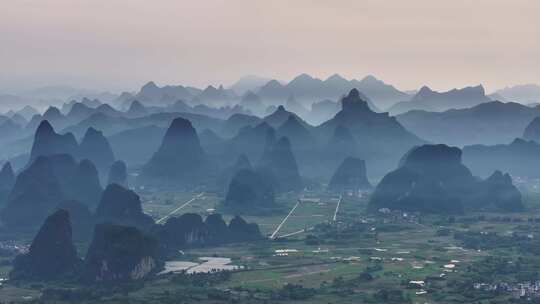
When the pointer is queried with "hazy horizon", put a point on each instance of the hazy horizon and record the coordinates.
(120, 45)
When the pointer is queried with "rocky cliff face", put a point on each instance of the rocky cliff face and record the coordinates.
(51, 255)
(350, 176)
(279, 163)
(78, 181)
(180, 157)
(48, 142)
(189, 230)
(431, 178)
(121, 206)
(249, 191)
(95, 147)
(36, 192)
(120, 253)
(498, 193)
(48, 181)
(217, 229)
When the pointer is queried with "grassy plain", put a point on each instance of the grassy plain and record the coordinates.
(362, 252)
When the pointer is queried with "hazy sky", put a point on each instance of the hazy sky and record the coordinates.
(121, 44)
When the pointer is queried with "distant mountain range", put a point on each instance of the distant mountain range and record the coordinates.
(308, 90)
(328, 127)
(248, 83)
(526, 93)
(44, 97)
(255, 92)
(520, 158)
(487, 123)
(303, 88)
(428, 100)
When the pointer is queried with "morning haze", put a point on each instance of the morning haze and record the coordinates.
(306, 152)
(120, 45)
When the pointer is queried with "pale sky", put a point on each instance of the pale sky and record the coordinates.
(121, 44)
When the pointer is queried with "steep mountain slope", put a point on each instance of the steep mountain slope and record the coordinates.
(381, 138)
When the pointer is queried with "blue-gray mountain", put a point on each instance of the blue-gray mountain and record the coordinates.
(350, 176)
(52, 254)
(520, 158)
(180, 159)
(250, 192)
(45, 183)
(432, 179)
(429, 100)
(128, 253)
(488, 123)
(189, 230)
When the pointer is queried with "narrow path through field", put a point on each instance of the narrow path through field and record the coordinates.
(337, 208)
(273, 236)
(161, 220)
(292, 233)
(299, 275)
